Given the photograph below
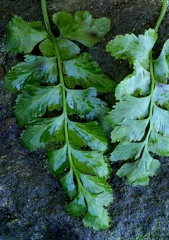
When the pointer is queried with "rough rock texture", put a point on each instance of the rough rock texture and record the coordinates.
(32, 202)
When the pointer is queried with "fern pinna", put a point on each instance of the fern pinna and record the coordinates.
(63, 82)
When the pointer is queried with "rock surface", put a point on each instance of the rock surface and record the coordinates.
(32, 202)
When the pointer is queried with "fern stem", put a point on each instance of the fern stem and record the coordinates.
(62, 84)
(151, 96)
(46, 18)
(161, 16)
(158, 23)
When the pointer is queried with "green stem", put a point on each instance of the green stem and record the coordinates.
(151, 96)
(158, 23)
(161, 16)
(60, 70)
(46, 18)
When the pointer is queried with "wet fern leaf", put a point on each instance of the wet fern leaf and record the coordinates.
(140, 118)
(57, 116)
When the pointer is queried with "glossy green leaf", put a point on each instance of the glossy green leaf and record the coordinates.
(92, 199)
(78, 206)
(35, 101)
(67, 48)
(37, 25)
(43, 130)
(22, 37)
(91, 162)
(34, 70)
(68, 184)
(58, 160)
(129, 130)
(58, 100)
(159, 144)
(127, 151)
(87, 134)
(133, 48)
(97, 215)
(47, 48)
(161, 64)
(95, 184)
(86, 104)
(140, 119)
(86, 73)
(161, 95)
(161, 121)
(137, 83)
(81, 27)
(129, 108)
(138, 172)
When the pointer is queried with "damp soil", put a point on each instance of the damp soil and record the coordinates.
(32, 202)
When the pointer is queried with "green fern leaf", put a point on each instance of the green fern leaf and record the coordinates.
(85, 104)
(81, 27)
(35, 70)
(85, 72)
(158, 143)
(134, 49)
(47, 48)
(91, 162)
(52, 113)
(58, 160)
(22, 37)
(138, 172)
(78, 206)
(130, 107)
(140, 119)
(68, 184)
(161, 64)
(97, 215)
(126, 151)
(34, 102)
(87, 134)
(67, 48)
(161, 95)
(139, 83)
(161, 120)
(130, 130)
(41, 131)
(93, 196)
